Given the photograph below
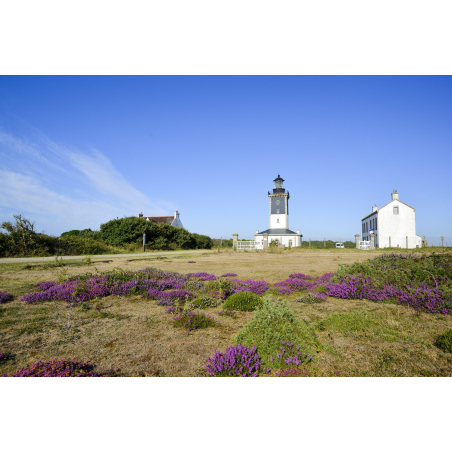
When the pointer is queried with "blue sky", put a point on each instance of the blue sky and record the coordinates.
(76, 152)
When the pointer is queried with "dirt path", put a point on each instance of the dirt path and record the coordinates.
(12, 260)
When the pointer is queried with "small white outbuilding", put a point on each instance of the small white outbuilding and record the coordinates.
(393, 225)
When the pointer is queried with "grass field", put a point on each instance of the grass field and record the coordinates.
(136, 336)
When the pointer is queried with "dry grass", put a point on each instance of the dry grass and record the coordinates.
(359, 338)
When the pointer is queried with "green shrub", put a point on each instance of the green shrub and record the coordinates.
(203, 242)
(243, 301)
(311, 298)
(444, 342)
(349, 323)
(222, 286)
(95, 235)
(203, 302)
(273, 323)
(124, 231)
(192, 321)
(22, 240)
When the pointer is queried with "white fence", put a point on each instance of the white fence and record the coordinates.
(364, 245)
(249, 245)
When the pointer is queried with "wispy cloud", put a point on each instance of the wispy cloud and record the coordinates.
(65, 188)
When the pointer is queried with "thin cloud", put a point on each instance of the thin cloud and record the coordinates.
(67, 187)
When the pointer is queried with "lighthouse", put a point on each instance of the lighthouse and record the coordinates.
(279, 205)
(278, 231)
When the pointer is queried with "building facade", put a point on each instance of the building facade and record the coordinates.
(171, 220)
(393, 225)
(278, 231)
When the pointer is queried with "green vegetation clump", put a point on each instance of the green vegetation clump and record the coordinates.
(348, 323)
(203, 302)
(21, 239)
(243, 301)
(124, 231)
(273, 323)
(86, 233)
(203, 242)
(444, 341)
(192, 321)
(403, 269)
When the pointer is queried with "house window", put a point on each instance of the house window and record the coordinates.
(396, 210)
(277, 210)
(277, 220)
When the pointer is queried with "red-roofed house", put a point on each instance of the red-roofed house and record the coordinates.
(173, 221)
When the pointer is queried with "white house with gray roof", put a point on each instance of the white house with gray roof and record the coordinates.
(393, 225)
(278, 219)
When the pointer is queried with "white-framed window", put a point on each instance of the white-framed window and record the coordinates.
(396, 210)
(277, 220)
(277, 210)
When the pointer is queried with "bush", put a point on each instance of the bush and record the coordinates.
(228, 313)
(243, 301)
(289, 356)
(192, 321)
(312, 297)
(86, 233)
(60, 369)
(22, 240)
(127, 230)
(175, 297)
(444, 342)
(237, 361)
(4, 297)
(203, 302)
(4, 356)
(203, 242)
(274, 323)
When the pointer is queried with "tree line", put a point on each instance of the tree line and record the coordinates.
(119, 235)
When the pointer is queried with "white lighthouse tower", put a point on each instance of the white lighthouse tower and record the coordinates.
(279, 219)
(279, 205)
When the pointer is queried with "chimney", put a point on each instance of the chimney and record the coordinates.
(176, 214)
(374, 208)
(394, 195)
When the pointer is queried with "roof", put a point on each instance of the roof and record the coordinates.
(166, 220)
(278, 178)
(278, 232)
(392, 200)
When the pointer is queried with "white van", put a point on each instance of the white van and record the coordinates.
(339, 245)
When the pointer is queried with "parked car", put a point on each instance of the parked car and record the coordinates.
(339, 245)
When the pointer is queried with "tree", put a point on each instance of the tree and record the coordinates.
(22, 235)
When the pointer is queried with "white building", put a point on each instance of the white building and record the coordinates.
(172, 220)
(393, 225)
(278, 219)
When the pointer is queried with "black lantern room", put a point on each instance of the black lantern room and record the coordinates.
(278, 185)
